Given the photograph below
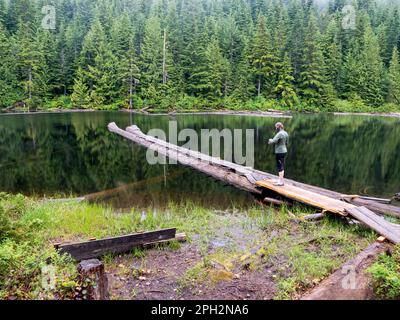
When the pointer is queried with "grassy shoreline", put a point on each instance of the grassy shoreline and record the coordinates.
(269, 113)
(249, 244)
(197, 105)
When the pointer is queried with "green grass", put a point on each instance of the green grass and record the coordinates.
(28, 230)
(386, 275)
(185, 103)
(300, 254)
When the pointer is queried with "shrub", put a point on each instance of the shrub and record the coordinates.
(386, 275)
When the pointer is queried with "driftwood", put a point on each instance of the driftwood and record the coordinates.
(94, 249)
(106, 194)
(350, 282)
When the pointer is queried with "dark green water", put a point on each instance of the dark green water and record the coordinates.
(73, 153)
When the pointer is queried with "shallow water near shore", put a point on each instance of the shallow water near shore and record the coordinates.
(74, 154)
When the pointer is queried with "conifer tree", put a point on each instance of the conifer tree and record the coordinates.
(394, 78)
(80, 92)
(312, 70)
(285, 90)
(261, 57)
(9, 91)
(152, 58)
(372, 69)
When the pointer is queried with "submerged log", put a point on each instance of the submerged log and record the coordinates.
(350, 282)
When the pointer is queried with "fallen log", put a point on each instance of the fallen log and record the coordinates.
(233, 174)
(350, 282)
(97, 248)
(106, 194)
(209, 168)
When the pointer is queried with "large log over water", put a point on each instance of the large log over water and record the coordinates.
(220, 173)
(236, 175)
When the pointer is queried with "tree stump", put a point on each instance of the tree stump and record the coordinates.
(93, 270)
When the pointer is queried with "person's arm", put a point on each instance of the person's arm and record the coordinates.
(275, 140)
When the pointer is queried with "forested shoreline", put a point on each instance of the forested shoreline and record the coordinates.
(200, 54)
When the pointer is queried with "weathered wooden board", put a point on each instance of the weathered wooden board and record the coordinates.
(307, 197)
(377, 223)
(94, 249)
(362, 214)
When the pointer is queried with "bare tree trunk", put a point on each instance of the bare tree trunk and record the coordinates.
(165, 58)
(30, 83)
(130, 88)
(62, 56)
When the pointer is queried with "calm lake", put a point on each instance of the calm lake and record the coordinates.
(74, 154)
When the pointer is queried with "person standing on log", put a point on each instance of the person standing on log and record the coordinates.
(280, 141)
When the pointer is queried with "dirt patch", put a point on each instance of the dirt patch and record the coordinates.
(164, 271)
(238, 257)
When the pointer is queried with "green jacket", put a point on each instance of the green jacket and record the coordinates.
(281, 140)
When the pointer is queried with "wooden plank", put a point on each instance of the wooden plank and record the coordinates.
(381, 226)
(122, 244)
(381, 239)
(307, 197)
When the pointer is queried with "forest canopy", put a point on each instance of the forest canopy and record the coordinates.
(193, 54)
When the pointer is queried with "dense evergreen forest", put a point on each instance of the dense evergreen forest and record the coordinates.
(200, 54)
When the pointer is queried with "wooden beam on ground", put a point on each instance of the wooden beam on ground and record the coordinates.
(97, 248)
(350, 282)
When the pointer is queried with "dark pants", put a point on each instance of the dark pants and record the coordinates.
(280, 161)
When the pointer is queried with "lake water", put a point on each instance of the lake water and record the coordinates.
(74, 154)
